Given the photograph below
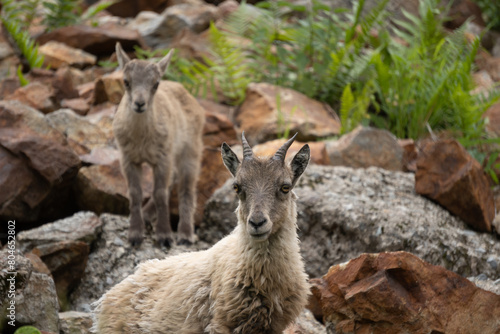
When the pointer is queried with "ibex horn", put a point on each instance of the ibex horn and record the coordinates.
(281, 153)
(247, 150)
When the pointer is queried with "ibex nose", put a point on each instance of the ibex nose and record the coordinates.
(140, 104)
(256, 223)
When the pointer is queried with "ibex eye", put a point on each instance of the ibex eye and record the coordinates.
(155, 87)
(127, 83)
(285, 188)
(236, 188)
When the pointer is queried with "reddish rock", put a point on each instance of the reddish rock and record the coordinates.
(109, 88)
(58, 54)
(463, 10)
(262, 120)
(318, 150)
(400, 293)
(38, 265)
(486, 62)
(8, 86)
(192, 45)
(410, 154)
(78, 105)
(66, 261)
(365, 147)
(447, 174)
(218, 129)
(130, 8)
(37, 165)
(36, 95)
(101, 155)
(99, 41)
(215, 108)
(493, 116)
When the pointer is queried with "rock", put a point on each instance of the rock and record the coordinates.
(218, 129)
(73, 322)
(38, 166)
(461, 11)
(365, 147)
(66, 261)
(103, 188)
(261, 120)
(38, 265)
(159, 32)
(58, 54)
(35, 95)
(79, 106)
(399, 293)
(82, 226)
(318, 150)
(99, 41)
(344, 212)
(485, 62)
(109, 88)
(8, 86)
(192, 45)
(306, 324)
(34, 296)
(493, 117)
(101, 155)
(483, 81)
(82, 135)
(447, 174)
(212, 107)
(132, 8)
(37, 304)
(410, 154)
(113, 259)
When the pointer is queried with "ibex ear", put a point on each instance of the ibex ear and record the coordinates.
(300, 162)
(123, 59)
(165, 61)
(230, 159)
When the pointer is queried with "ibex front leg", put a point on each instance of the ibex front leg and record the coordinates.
(133, 173)
(162, 180)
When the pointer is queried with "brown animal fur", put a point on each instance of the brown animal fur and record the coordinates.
(159, 123)
(250, 282)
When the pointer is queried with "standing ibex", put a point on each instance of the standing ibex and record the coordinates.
(250, 282)
(159, 123)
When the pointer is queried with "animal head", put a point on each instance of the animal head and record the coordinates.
(264, 187)
(141, 78)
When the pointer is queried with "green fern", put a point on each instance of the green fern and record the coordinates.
(229, 66)
(14, 22)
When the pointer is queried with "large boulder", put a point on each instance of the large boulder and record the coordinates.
(449, 175)
(344, 212)
(365, 147)
(270, 110)
(37, 164)
(36, 95)
(399, 293)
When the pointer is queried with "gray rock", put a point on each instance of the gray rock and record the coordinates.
(37, 304)
(159, 32)
(113, 259)
(74, 322)
(486, 284)
(344, 212)
(35, 297)
(82, 226)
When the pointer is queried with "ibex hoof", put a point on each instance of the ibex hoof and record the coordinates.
(165, 241)
(185, 242)
(135, 240)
